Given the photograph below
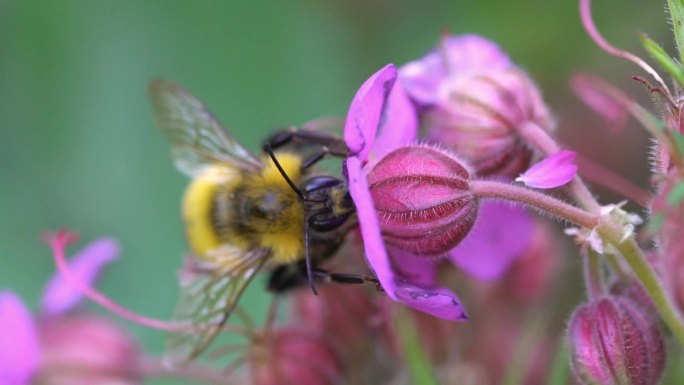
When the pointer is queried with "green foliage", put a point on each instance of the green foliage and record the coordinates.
(417, 362)
(664, 60)
(676, 8)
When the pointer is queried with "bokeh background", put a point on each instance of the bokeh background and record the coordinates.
(78, 147)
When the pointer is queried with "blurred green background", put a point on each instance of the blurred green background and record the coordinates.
(78, 147)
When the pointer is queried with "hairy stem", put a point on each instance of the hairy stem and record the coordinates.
(592, 274)
(543, 202)
(647, 276)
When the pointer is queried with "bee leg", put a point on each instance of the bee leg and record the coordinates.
(307, 257)
(353, 279)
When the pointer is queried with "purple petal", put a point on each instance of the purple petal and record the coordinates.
(554, 171)
(439, 302)
(373, 245)
(454, 55)
(400, 126)
(500, 235)
(366, 111)
(59, 296)
(418, 270)
(19, 345)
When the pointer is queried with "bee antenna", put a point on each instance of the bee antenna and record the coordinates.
(283, 173)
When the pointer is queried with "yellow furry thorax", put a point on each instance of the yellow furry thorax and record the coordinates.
(282, 234)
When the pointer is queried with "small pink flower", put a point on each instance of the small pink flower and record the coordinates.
(59, 295)
(554, 171)
(49, 349)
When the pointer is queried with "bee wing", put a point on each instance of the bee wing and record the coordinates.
(198, 139)
(209, 294)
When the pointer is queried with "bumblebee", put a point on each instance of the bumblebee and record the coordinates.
(245, 213)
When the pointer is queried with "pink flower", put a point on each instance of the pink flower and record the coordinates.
(59, 295)
(39, 350)
(364, 122)
(19, 345)
(500, 235)
(554, 171)
(475, 100)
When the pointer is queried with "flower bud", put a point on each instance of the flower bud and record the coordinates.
(613, 342)
(293, 356)
(423, 199)
(87, 350)
(478, 115)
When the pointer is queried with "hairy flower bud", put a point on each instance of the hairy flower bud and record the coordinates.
(87, 350)
(293, 356)
(613, 342)
(423, 199)
(478, 115)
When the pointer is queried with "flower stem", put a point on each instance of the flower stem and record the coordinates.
(648, 278)
(416, 359)
(592, 274)
(543, 202)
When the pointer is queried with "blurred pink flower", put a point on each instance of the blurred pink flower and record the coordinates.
(19, 346)
(500, 235)
(474, 100)
(60, 295)
(464, 54)
(32, 349)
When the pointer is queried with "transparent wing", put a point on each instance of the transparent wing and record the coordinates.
(198, 139)
(209, 294)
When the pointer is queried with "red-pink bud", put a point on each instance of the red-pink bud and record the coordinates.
(293, 356)
(423, 199)
(613, 342)
(87, 350)
(478, 115)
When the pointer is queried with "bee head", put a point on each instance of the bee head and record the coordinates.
(327, 202)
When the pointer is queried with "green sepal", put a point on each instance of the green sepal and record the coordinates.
(670, 65)
(676, 8)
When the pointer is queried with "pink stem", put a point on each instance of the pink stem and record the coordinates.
(59, 242)
(588, 22)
